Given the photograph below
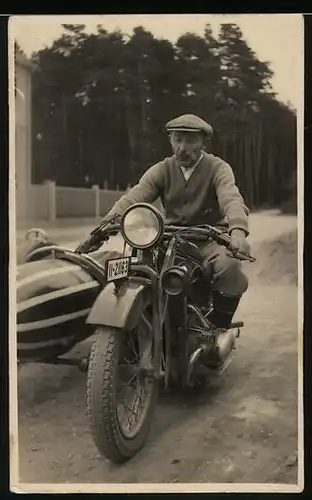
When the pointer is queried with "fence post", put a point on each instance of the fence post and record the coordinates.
(51, 196)
(96, 191)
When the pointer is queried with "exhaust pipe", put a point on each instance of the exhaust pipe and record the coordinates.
(226, 342)
(190, 366)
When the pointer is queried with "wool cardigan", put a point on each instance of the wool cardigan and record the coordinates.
(209, 196)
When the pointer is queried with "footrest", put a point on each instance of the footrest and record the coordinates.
(236, 324)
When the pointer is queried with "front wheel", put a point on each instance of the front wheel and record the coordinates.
(120, 397)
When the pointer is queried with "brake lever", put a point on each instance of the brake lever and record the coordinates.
(104, 224)
(244, 256)
(97, 238)
(88, 244)
(225, 240)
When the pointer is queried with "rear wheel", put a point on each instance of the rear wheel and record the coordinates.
(121, 397)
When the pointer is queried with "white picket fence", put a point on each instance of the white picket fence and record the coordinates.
(50, 202)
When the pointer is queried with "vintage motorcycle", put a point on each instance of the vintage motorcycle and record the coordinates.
(148, 322)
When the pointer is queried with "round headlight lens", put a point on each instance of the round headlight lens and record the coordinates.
(142, 226)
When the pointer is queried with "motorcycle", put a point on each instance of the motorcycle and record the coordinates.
(148, 322)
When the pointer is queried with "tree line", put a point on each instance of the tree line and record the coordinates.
(101, 100)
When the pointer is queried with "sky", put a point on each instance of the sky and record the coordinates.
(276, 38)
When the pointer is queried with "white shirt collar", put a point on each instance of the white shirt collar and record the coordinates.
(187, 172)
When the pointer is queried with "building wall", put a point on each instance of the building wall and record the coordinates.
(22, 140)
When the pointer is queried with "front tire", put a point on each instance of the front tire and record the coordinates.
(110, 438)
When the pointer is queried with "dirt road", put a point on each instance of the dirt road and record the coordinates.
(241, 429)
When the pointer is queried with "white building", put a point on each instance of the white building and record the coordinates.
(23, 140)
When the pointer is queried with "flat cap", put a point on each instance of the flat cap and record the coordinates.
(189, 123)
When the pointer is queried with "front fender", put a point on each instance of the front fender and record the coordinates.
(117, 311)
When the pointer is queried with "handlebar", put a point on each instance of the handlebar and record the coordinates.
(197, 233)
(204, 232)
(97, 237)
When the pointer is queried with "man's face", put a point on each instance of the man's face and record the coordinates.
(187, 147)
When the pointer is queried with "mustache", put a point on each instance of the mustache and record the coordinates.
(184, 156)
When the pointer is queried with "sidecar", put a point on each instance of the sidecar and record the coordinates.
(53, 298)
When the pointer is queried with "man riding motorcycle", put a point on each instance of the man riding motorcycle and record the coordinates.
(196, 188)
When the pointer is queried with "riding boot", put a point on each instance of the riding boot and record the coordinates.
(223, 309)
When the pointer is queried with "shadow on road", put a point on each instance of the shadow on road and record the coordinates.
(39, 385)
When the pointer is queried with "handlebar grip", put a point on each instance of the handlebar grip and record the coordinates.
(97, 238)
(250, 258)
(86, 245)
(244, 256)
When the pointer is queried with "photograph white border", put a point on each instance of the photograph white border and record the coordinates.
(19, 487)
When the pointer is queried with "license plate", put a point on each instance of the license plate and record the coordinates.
(117, 268)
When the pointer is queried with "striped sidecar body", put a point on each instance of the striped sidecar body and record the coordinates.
(54, 297)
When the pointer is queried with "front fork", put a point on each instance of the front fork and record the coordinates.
(151, 358)
(160, 307)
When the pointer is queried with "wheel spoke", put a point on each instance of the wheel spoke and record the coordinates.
(126, 384)
(131, 415)
(127, 362)
(119, 368)
(137, 402)
(134, 401)
(147, 323)
(135, 405)
(140, 397)
(133, 345)
(132, 410)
